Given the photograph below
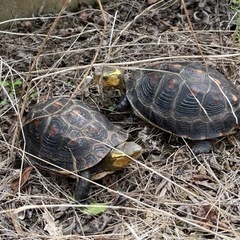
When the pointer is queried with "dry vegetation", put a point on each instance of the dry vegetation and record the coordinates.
(169, 193)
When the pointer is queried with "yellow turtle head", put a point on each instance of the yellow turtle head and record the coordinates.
(109, 77)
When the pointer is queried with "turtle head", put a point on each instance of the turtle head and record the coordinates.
(118, 158)
(109, 77)
(123, 154)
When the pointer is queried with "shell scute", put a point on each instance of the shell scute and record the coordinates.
(69, 134)
(186, 99)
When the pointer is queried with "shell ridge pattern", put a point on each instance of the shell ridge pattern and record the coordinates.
(38, 127)
(227, 99)
(188, 100)
(91, 132)
(137, 94)
(155, 93)
(52, 139)
(153, 83)
(187, 81)
(67, 132)
(222, 87)
(184, 104)
(164, 95)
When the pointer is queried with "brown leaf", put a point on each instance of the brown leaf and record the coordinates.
(207, 212)
(24, 177)
(209, 216)
(202, 177)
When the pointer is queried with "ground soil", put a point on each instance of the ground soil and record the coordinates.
(169, 193)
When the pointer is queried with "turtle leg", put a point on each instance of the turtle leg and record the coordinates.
(83, 186)
(203, 146)
(123, 105)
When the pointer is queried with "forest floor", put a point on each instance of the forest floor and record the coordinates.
(169, 193)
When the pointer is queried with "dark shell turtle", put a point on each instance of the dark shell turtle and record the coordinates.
(183, 98)
(71, 137)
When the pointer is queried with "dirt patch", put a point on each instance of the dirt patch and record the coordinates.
(169, 193)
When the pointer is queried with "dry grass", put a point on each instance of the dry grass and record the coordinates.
(169, 193)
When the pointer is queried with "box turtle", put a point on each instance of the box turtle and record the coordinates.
(183, 98)
(68, 135)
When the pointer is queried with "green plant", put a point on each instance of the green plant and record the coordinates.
(10, 87)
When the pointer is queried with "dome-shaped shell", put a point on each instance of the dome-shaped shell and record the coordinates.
(69, 134)
(185, 99)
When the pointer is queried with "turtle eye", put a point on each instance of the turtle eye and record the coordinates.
(105, 78)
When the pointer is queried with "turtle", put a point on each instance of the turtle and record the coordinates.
(187, 99)
(66, 136)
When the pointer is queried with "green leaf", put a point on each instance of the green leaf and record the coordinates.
(4, 83)
(18, 82)
(111, 108)
(95, 209)
(4, 102)
(33, 96)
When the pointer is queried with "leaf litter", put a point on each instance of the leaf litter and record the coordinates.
(169, 193)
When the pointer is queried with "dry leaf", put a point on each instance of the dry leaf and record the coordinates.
(202, 177)
(16, 224)
(208, 215)
(24, 177)
(51, 225)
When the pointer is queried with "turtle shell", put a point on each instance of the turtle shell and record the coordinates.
(185, 99)
(69, 134)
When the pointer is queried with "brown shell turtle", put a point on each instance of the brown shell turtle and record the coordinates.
(71, 137)
(183, 98)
